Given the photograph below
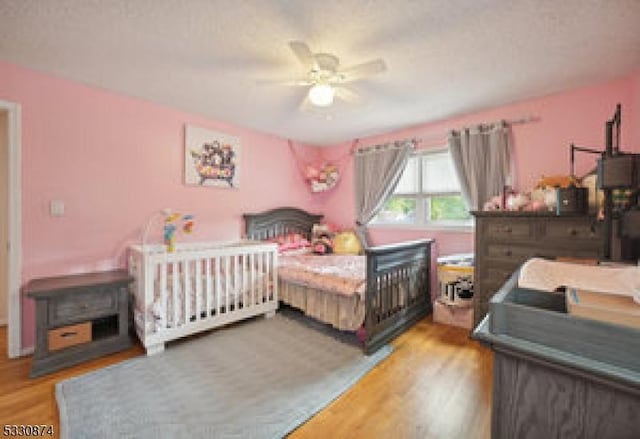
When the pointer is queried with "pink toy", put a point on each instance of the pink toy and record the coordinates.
(495, 203)
(311, 173)
(517, 201)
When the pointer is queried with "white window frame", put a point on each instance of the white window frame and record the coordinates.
(423, 205)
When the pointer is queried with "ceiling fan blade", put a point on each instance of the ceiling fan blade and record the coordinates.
(348, 95)
(303, 53)
(291, 82)
(363, 70)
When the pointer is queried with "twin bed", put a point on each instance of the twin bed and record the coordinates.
(202, 286)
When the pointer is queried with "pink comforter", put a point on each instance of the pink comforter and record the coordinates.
(342, 274)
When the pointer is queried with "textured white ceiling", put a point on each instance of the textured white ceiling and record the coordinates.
(444, 57)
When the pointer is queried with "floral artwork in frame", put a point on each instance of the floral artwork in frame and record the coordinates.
(211, 158)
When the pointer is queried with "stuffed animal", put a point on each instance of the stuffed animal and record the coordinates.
(495, 203)
(322, 245)
(321, 229)
(322, 239)
(347, 243)
(556, 181)
(517, 201)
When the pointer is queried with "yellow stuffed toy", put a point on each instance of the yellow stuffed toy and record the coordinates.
(346, 243)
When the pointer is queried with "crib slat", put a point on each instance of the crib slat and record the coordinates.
(274, 276)
(243, 281)
(186, 294)
(390, 293)
(252, 279)
(198, 288)
(175, 274)
(207, 268)
(236, 290)
(163, 293)
(227, 282)
(267, 274)
(392, 299)
(259, 276)
(217, 280)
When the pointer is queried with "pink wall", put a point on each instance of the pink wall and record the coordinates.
(114, 161)
(634, 117)
(541, 148)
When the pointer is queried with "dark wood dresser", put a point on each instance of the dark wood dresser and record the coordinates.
(504, 240)
(79, 317)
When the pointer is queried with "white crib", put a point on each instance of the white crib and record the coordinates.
(200, 286)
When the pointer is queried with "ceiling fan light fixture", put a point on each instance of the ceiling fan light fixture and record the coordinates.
(321, 95)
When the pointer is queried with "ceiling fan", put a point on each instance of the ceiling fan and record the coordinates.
(325, 78)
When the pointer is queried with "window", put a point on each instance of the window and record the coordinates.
(428, 194)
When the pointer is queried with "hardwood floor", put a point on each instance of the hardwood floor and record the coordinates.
(436, 384)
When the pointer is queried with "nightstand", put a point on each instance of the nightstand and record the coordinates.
(79, 317)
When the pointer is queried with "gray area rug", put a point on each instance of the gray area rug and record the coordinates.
(257, 379)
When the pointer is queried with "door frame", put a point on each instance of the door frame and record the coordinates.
(14, 272)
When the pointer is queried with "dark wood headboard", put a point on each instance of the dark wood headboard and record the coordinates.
(280, 221)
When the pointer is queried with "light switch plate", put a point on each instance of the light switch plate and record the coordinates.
(56, 208)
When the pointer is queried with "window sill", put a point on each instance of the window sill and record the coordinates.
(435, 227)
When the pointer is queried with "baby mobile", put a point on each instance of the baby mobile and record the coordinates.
(320, 177)
(170, 228)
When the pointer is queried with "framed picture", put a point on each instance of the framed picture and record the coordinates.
(211, 158)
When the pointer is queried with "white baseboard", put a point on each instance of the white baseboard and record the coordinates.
(26, 351)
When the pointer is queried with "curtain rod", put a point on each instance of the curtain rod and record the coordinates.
(519, 121)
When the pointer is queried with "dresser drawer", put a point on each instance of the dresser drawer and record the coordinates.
(508, 230)
(572, 230)
(83, 305)
(514, 254)
(67, 336)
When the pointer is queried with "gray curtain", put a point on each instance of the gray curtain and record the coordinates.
(377, 172)
(482, 160)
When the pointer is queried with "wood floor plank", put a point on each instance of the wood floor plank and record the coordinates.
(436, 384)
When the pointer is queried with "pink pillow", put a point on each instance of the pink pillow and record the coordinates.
(291, 241)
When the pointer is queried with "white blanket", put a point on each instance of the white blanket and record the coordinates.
(542, 274)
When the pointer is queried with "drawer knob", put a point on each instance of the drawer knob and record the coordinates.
(507, 229)
(573, 232)
(84, 307)
(508, 252)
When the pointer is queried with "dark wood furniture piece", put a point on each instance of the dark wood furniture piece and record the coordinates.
(79, 317)
(556, 375)
(398, 276)
(504, 240)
